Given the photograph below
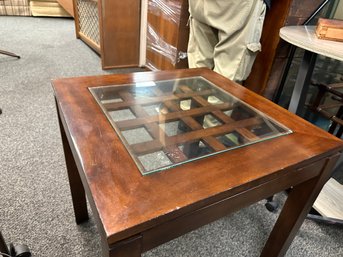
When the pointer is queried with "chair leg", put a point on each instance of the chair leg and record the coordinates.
(339, 132)
(334, 124)
(9, 54)
(271, 205)
(3, 246)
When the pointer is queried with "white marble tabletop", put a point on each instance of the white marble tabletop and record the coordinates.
(305, 37)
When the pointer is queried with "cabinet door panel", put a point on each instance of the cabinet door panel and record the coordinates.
(120, 30)
(167, 34)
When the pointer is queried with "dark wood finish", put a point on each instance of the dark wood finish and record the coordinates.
(124, 202)
(275, 19)
(130, 124)
(130, 247)
(269, 64)
(207, 135)
(67, 5)
(173, 112)
(171, 35)
(76, 187)
(120, 105)
(153, 128)
(119, 33)
(300, 200)
(233, 202)
(118, 25)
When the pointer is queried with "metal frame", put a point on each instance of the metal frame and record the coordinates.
(277, 96)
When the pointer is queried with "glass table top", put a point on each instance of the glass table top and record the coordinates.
(170, 122)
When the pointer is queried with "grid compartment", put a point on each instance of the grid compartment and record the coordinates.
(176, 121)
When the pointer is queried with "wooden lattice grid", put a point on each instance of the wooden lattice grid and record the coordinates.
(89, 19)
(205, 122)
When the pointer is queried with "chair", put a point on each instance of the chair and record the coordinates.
(329, 104)
(15, 250)
(330, 108)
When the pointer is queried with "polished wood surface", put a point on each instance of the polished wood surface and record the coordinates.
(142, 212)
(119, 33)
(76, 188)
(116, 25)
(119, 28)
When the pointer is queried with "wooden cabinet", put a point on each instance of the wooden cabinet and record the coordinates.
(131, 33)
(111, 28)
(167, 34)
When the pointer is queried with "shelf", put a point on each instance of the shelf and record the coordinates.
(330, 201)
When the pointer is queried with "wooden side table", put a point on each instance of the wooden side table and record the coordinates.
(159, 154)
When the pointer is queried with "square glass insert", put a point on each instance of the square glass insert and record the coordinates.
(170, 122)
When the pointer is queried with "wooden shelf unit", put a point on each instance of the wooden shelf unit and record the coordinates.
(105, 27)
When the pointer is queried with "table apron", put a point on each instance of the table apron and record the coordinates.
(174, 228)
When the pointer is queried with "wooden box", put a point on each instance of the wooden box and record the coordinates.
(167, 34)
(330, 29)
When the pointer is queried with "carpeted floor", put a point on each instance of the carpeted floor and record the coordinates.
(35, 202)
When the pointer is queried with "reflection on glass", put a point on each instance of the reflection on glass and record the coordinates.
(170, 122)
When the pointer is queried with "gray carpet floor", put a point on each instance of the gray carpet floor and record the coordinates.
(35, 201)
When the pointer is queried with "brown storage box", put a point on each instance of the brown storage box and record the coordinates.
(330, 29)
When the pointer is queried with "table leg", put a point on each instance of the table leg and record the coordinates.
(302, 83)
(295, 210)
(130, 247)
(76, 187)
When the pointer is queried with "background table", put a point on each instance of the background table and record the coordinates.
(305, 38)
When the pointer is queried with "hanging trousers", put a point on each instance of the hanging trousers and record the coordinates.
(225, 35)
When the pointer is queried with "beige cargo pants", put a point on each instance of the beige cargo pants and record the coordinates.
(225, 35)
